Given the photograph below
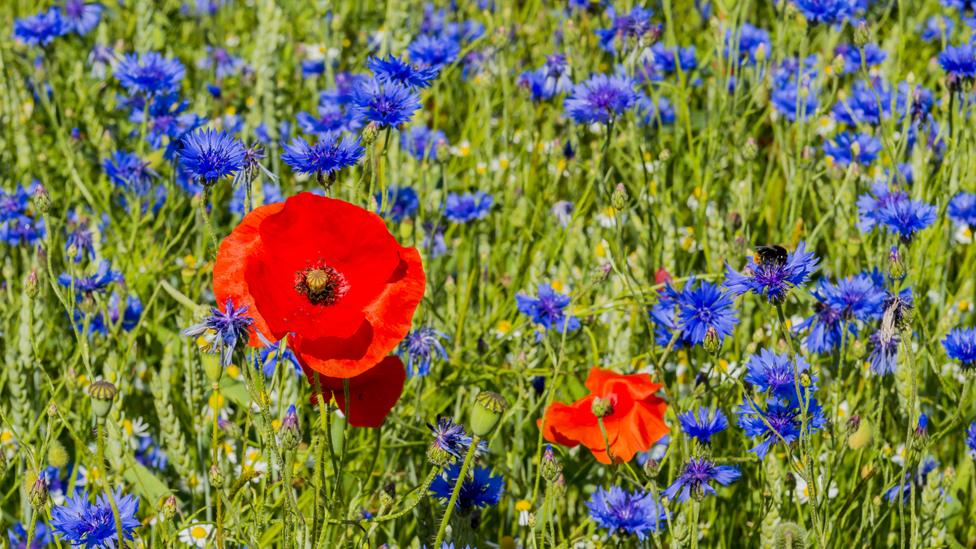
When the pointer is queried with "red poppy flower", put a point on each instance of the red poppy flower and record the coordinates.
(372, 394)
(634, 422)
(326, 273)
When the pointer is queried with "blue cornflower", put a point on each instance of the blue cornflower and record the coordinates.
(462, 208)
(451, 438)
(330, 117)
(601, 99)
(127, 318)
(148, 453)
(907, 217)
(962, 210)
(918, 478)
(401, 203)
(971, 439)
(100, 280)
(40, 29)
(854, 60)
(80, 17)
(434, 51)
(787, 100)
(959, 61)
(221, 61)
(703, 307)
(270, 357)
(695, 478)
(630, 27)
(703, 424)
(421, 142)
(223, 330)
(773, 280)
(780, 421)
(884, 352)
(960, 344)
(17, 536)
(129, 172)
(634, 513)
(397, 71)
(165, 117)
(79, 241)
(420, 348)
(868, 103)
(312, 67)
(826, 11)
(208, 155)
(745, 44)
(90, 525)
(774, 373)
(664, 315)
(846, 148)
(549, 80)
(22, 230)
(838, 305)
(666, 60)
(149, 73)
(870, 205)
(548, 309)
(937, 28)
(327, 156)
(389, 105)
(480, 490)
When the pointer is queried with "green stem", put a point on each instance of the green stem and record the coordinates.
(462, 475)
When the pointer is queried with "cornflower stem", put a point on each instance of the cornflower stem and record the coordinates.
(213, 460)
(462, 475)
(100, 449)
(695, 504)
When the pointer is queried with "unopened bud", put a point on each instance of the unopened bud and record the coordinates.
(862, 34)
(40, 200)
(290, 431)
(216, 477)
(838, 64)
(57, 456)
(38, 493)
(31, 285)
(896, 265)
(652, 467)
(487, 412)
(750, 150)
(370, 133)
(551, 468)
(438, 456)
(619, 197)
(170, 507)
(712, 342)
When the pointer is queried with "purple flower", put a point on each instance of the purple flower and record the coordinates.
(388, 105)
(960, 344)
(433, 51)
(421, 347)
(91, 525)
(209, 155)
(959, 62)
(462, 208)
(421, 142)
(601, 99)
(80, 17)
(149, 73)
(773, 280)
(40, 29)
(548, 309)
(327, 156)
(703, 424)
(397, 71)
(634, 513)
(696, 477)
(223, 330)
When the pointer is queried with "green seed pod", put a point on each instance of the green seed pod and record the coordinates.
(487, 412)
(102, 394)
(790, 535)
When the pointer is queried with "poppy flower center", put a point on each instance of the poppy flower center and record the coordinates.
(322, 285)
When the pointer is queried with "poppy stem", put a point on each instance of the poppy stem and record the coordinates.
(462, 475)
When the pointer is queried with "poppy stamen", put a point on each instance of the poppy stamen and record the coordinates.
(322, 285)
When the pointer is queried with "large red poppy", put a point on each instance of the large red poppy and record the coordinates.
(326, 273)
(635, 420)
(372, 394)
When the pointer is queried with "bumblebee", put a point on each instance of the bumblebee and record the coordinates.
(770, 255)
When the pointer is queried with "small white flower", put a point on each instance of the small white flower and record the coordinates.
(196, 535)
(802, 489)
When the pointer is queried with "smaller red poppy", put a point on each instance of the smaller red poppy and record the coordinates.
(372, 394)
(634, 418)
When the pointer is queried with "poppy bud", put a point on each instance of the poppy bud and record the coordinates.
(57, 456)
(619, 197)
(551, 469)
(601, 407)
(102, 394)
(712, 343)
(216, 477)
(40, 200)
(790, 535)
(290, 432)
(31, 286)
(170, 507)
(38, 493)
(487, 412)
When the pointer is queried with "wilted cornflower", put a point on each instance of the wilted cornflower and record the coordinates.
(826, 11)
(960, 344)
(774, 373)
(478, 491)
(325, 157)
(745, 44)
(962, 210)
(918, 478)
(223, 330)
(704, 306)
(80, 17)
(128, 171)
(601, 99)
(40, 29)
(397, 71)
(451, 438)
(773, 280)
(633, 513)
(422, 143)
(149, 73)
(628, 29)
(208, 155)
(780, 421)
(846, 148)
(695, 478)
(401, 203)
(420, 348)
(703, 424)
(387, 104)
(433, 51)
(17, 536)
(79, 522)
(463, 208)
(548, 309)
(97, 282)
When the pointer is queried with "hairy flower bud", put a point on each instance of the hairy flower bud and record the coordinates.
(38, 493)
(41, 200)
(216, 477)
(31, 285)
(57, 456)
(551, 468)
(712, 342)
(170, 507)
(290, 431)
(619, 197)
